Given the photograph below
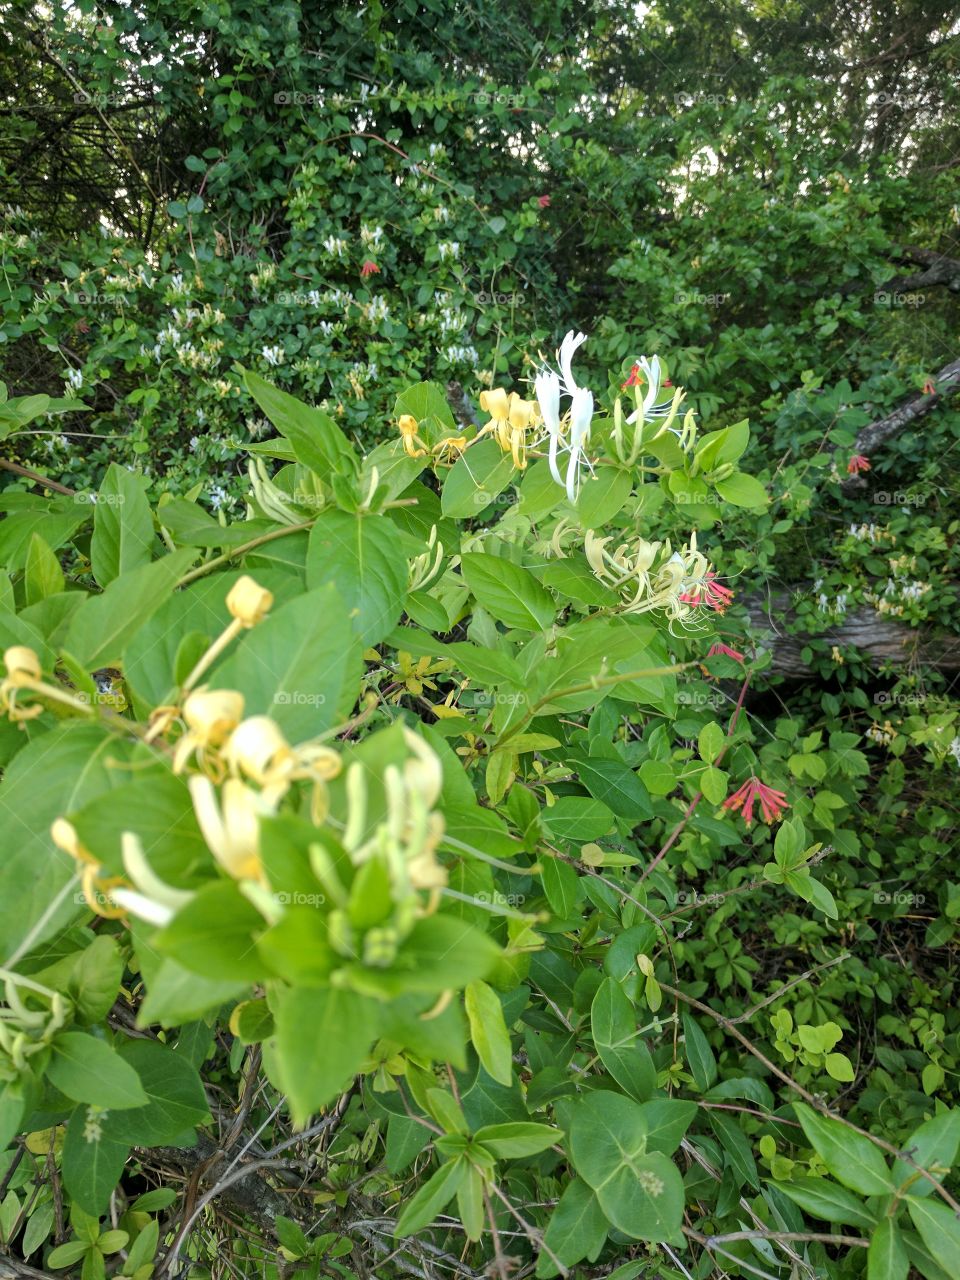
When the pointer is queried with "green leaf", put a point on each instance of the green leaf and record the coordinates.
(103, 625)
(76, 761)
(700, 1057)
(434, 1195)
(477, 477)
(743, 491)
(92, 1162)
(934, 1147)
(323, 1036)
(577, 818)
(826, 1200)
(850, 1157)
(42, 575)
(561, 884)
(510, 593)
(641, 1192)
(736, 1146)
(96, 979)
(576, 1229)
(362, 557)
(887, 1258)
(213, 935)
(301, 666)
(613, 1023)
(710, 742)
(88, 1070)
(316, 439)
(939, 1230)
(603, 495)
(668, 1119)
(143, 1249)
(516, 1139)
(615, 784)
(176, 1103)
(123, 534)
(488, 1031)
(65, 1255)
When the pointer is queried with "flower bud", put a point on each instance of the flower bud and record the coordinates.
(248, 602)
(408, 424)
(23, 665)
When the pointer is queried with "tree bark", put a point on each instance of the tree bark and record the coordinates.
(877, 639)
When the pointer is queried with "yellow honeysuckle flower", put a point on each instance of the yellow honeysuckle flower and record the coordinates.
(412, 444)
(231, 827)
(96, 890)
(497, 403)
(248, 602)
(211, 715)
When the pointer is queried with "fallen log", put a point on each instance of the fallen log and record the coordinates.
(877, 639)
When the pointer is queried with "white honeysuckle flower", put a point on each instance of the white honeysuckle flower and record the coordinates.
(581, 415)
(570, 344)
(549, 386)
(138, 904)
(547, 389)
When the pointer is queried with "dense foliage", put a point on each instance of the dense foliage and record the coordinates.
(419, 855)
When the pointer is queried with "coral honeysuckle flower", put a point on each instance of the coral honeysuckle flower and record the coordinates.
(710, 593)
(543, 202)
(929, 387)
(717, 649)
(232, 832)
(633, 380)
(772, 803)
(653, 375)
(248, 602)
(369, 268)
(857, 464)
(211, 715)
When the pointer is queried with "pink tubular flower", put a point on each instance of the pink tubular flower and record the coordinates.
(717, 649)
(710, 593)
(369, 268)
(634, 380)
(543, 202)
(772, 803)
(858, 463)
